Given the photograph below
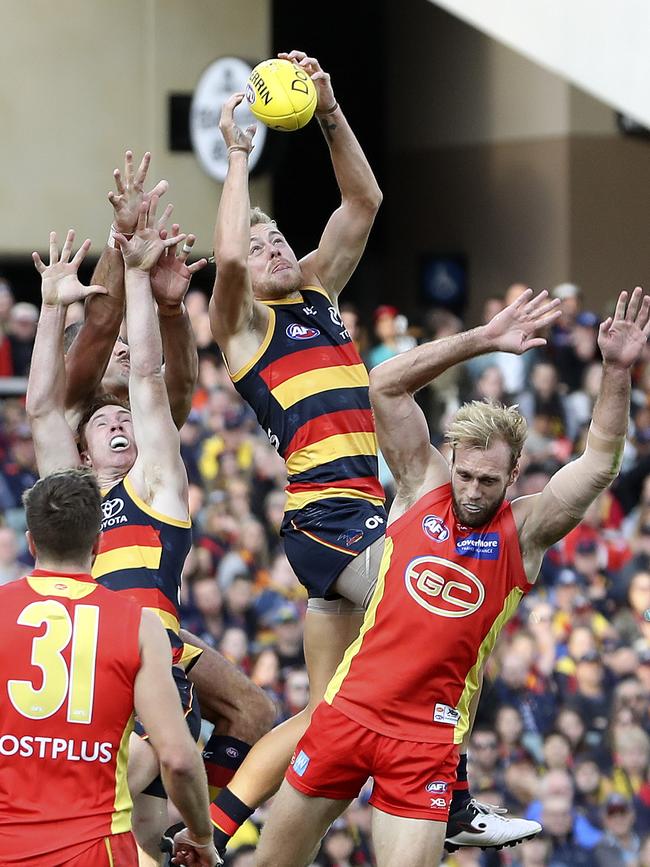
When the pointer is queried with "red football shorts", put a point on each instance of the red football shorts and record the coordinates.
(119, 850)
(336, 755)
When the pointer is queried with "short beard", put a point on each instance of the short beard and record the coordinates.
(479, 520)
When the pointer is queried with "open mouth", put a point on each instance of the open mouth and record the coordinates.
(281, 266)
(470, 507)
(119, 443)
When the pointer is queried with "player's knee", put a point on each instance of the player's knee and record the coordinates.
(263, 712)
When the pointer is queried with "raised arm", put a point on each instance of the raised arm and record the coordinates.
(231, 305)
(54, 442)
(346, 233)
(158, 474)
(402, 430)
(90, 352)
(170, 280)
(545, 518)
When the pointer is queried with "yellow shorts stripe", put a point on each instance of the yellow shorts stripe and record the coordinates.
(109, 852)
(303, 498)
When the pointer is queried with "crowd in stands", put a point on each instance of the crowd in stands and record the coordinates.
(563, 726)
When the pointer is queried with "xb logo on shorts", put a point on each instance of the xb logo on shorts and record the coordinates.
(435, 528)
(296, 331)
(443, 587)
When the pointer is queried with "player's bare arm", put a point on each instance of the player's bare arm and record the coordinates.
(89, 354)
(157, 706)
(402, 429)
(53, 439)
(170, 280)
(346, 233)
(238, 323)
(545, 518)
(158, 474)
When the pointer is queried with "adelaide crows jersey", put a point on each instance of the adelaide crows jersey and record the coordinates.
(309, 390)
(142, 554)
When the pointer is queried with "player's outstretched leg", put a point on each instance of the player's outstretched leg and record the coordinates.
(407, 842)
(326, 638)
(308, 817)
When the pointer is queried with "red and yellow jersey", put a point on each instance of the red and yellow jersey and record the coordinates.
(309, 389)
(68, 662)
(443, 595)
(141, 556)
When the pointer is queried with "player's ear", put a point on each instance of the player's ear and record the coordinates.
(97, 544)
(84, 457)
(514, 473)
(30, 544)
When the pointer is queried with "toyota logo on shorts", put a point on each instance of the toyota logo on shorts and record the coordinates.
(443, 587)
(110, 508)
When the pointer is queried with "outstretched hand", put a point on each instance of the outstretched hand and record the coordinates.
(143, 250)
(623, 336)
(130, 193)
(60, 284)
(171, 275)
(513, 329)
(321, 79)
(233, 135)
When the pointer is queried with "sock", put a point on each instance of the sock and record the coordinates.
(461, 795)
(222, 756)
(227, 813)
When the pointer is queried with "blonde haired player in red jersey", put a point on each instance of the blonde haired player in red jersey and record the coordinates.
(458, 558)
(76, 661)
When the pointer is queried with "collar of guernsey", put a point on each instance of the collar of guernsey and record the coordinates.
(309, 390)
(142, 552)
(443, 595)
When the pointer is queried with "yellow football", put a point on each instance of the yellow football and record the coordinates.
(281, 95)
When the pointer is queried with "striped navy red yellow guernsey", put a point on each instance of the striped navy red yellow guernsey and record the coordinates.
(68, 663)
(309, 390)
(443, 594)
(142, 554)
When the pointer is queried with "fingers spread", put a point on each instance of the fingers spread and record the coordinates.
(118, 182)
(81, 252)
(141, 173)
(54, 249)
(67, 245)
(38, 262)
(621, 304)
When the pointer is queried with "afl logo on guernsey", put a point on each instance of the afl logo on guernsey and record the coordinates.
(301, 332)
(443, 587)
(435, 528)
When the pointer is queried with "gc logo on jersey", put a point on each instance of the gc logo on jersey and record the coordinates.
(443, 587)
(296, 331)
(435, 528)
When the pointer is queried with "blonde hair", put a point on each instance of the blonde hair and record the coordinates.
(258, 216)
(479, 423)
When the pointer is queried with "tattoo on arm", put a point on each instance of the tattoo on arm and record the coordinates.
(328, 127)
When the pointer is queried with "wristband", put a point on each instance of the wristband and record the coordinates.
(236, 147)
(328, 110)
(191, 842)
(111, 242)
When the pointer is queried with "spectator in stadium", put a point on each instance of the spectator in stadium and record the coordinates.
(620, 846)
(21, 331)
(10, 567)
